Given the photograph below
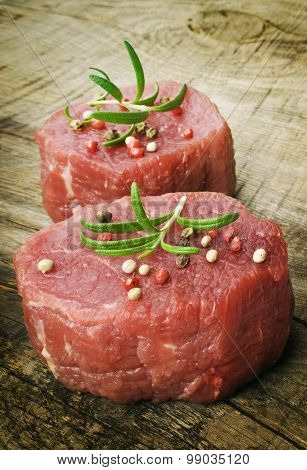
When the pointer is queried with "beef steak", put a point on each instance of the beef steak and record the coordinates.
(198, 337)
(70, 175)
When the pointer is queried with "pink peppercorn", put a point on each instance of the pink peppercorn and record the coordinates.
(213, 233)
(236, 244)
(96, 124)
(177, 111)
(107, 237)
(136, 152)
(135, 144)
(162, 276)
(187, 133)
(228, 234)
(131, 283)
(91, 145)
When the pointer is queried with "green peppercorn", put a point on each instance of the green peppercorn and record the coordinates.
(187, 232)
(164, 99)
(184, 241)
(151, 132)
(141, 127)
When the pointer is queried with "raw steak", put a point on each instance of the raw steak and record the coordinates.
(198, 337)
(70, 175)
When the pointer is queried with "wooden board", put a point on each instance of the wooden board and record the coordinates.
(250, 58)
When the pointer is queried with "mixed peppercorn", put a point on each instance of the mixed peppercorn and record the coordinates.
(131, 284)
(162, 275)
(134, 146)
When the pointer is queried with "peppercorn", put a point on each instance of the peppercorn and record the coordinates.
(144, 269)
(107, 237)
(76, 125)
(211, 256)
(45, 265)
(131, 282)
(229, 234)
(213, 233)
(184, 241)
(141, 127)
(259, 255)
(136, 152)
(129, 266)
(162, 276)
(111, 135)
(97, 124)
(236, 244)
(206, 241)
(133, 144)
(187, 232)
(130, 140)
(151, 132)
(135, 293)
(177, 111)
(182, 261)
(187, 133)
(103, 216)
(151, 147)
(164, 99)
(91, 145)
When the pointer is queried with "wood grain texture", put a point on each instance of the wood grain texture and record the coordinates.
(250, 58)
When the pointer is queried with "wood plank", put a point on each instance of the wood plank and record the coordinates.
(170, 425)
(250, 58)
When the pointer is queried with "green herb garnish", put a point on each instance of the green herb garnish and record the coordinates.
(149, 243)
(136, 110)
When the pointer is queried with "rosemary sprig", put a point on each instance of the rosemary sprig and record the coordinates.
(122, 227)
(149, 243)
(108, 86)
(136, 110)
(138, 69)
(121, 117)
(152, 98)
(139, 211)
(103, 73)
(112, 245)
(208, 224)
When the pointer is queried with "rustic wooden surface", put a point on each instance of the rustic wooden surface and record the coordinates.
(250, 58)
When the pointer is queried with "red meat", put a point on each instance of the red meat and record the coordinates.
(70, 175)
(198, 337)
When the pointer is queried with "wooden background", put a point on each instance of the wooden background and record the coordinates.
(250, 58)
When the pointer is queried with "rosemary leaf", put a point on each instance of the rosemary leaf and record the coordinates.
(150, 99)
(103, 73)
(124, 251)
(107, 85)
(116, 244)
(180, 250)
(138, 69)
(139, 211)
(172, 104)
(121, 118)
(146, 253)
(121, 138)
(208, 224)
(122, 227)
(67, 114)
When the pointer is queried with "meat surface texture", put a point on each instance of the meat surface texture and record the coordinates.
(199, 337)
(71, 176)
